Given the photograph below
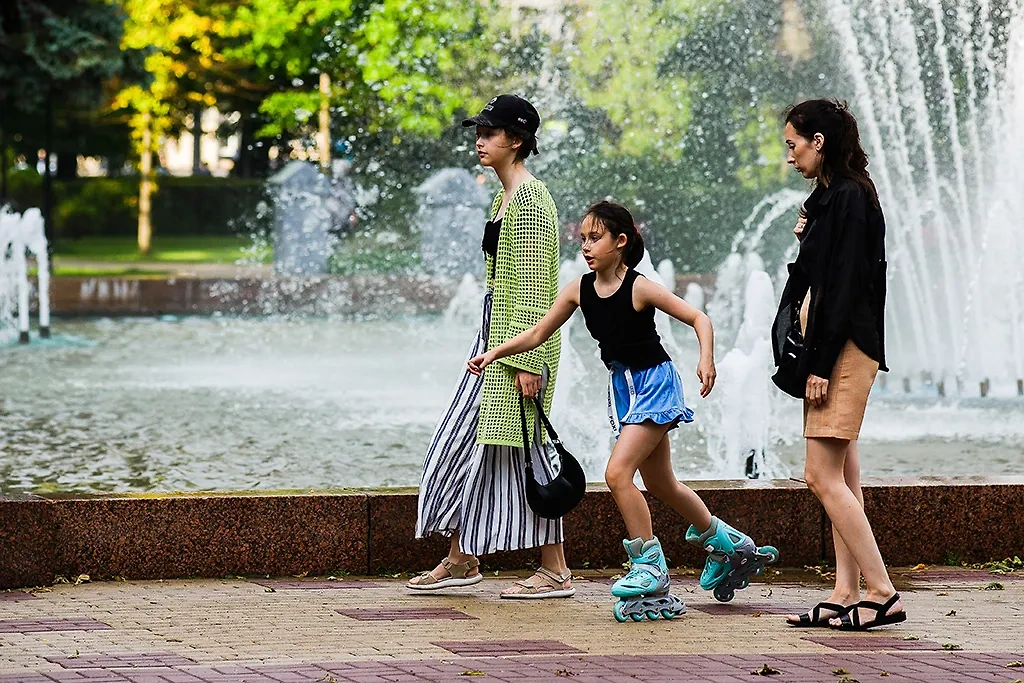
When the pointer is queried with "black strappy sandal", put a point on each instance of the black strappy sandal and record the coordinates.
(812, 619)
(851, 620)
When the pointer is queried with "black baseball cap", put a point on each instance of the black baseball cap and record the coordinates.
(507, 110)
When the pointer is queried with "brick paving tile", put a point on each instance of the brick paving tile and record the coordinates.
(497, 648)
(297, 585)
(403, 613)
(224, 673)
(16, 596)
(93, 676)
(309, 669)
(46, 625)
(294, 673)
(160, 675)
(872, 643)
(599, 580)
(745, 608)
(251, 677)
(356, 666)
(917, 666)
(225, 629)
(130, 660)
(295, 676)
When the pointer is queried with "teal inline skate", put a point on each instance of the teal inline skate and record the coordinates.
(732, 558)
(643, 592)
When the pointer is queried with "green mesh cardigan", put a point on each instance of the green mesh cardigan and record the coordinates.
(525, 284)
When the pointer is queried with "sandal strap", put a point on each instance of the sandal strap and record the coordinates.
(852, 616)
(554, 579)
(425, 579)
(880, 609)
(550, 580)
(814, 615)
(459, 570)
(890, 602)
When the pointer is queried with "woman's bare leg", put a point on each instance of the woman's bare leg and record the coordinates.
(824, 472)
(847, 588)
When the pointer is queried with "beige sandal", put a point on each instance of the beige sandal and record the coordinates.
(458, 575)
(552, 586)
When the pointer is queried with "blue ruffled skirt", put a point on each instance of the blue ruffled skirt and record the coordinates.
(654, 394)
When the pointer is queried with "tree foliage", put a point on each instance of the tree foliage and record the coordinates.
(70, 49)
(185, 62)
(389, 61)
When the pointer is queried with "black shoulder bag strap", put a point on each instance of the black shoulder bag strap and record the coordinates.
(527, 442)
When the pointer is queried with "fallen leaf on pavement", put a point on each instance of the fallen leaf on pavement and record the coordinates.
(765, 670)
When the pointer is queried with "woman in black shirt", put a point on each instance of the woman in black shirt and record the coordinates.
(834, 300)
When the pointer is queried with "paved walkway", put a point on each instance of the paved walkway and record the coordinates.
(962, 627)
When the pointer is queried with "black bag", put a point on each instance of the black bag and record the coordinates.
(790, 377)
(554, 499)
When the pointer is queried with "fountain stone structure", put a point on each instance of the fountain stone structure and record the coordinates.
(303, 242)
(452, 213)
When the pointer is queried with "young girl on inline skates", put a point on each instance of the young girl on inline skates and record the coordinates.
(618, 307)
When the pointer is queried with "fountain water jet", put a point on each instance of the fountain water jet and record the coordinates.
(20, 234)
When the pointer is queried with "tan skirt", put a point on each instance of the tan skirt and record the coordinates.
(843, 411)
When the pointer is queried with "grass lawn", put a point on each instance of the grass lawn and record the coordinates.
(196, 249)
(73, 271)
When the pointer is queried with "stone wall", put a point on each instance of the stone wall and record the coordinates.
(352, 294)
(371, 532)
(116, 296)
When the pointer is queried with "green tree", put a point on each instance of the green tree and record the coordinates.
(58, 62)
(391, 63)
(187, 69)
(676, 111)
(618, 72)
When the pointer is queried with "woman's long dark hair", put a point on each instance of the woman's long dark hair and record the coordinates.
(842, 154)
(616, 219)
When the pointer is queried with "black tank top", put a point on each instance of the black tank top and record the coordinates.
(623, 333)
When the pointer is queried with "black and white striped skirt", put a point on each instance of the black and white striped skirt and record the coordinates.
(478, 489)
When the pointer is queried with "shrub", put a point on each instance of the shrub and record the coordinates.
(108, 207)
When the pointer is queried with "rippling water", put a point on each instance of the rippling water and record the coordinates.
(227, 403)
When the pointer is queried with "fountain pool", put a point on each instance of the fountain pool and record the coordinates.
(262, 403)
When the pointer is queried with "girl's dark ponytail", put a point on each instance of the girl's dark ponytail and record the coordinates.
(617, 220)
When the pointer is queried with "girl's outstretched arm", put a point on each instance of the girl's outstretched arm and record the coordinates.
(566, 303)
(647, 293)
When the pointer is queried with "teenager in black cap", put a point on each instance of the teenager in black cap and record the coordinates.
(472, 484)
